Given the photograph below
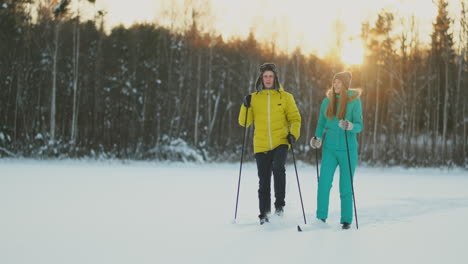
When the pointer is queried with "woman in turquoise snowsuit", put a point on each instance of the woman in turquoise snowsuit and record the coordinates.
(333, 121)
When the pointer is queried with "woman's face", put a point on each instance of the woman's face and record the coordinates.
(337, 85)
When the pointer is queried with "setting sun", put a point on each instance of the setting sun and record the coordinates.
(352, 53)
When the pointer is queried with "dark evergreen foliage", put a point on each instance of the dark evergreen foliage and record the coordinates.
(138, 89)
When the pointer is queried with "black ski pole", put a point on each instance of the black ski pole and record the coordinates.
(299, 187)
(351, 178)
(242, 157)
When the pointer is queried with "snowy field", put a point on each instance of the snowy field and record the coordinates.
(64, 212)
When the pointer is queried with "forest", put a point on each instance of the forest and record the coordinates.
(71, 89)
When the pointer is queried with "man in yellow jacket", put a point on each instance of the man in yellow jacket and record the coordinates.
(277, 124)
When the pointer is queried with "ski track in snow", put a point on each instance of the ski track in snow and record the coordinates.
(141, 212)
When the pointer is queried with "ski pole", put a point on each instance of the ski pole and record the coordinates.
(351, 178)
(299, 187)
(242, 157)
(316, 162)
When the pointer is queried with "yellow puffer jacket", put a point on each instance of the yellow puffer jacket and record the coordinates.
(274, 114)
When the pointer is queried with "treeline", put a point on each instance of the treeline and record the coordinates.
(68, 89)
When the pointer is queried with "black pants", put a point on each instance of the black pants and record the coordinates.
(268, 162)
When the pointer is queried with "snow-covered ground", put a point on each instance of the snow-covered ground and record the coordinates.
(57, 212)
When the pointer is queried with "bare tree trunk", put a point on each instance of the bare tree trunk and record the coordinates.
(412, 135)
(211, 119)
(197, 106)
(436, 116)
(208, 86)
(445, 118)
(76, 53)
(97, 125)
(376, 116)
(297, 72)
(464, 95)
(297, 76)
(309, 130)
(158, 123)
(215, 111)
(459, 97)
(393, 133)
(143, 136)
(464, 130)
(18, 101)
(365, 148)
(170, 62)
(10, 88)
(54, 83)
(428, 133)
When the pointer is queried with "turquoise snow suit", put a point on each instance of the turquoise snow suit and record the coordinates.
(334, 153)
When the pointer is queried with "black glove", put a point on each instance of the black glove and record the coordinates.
(291, 139)
(247, 100)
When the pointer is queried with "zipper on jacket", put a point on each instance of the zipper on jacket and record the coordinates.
(269, 121)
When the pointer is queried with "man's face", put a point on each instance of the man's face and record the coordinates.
(268, 79)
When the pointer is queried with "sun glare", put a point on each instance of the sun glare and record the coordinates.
(308, 24)
(353, 52)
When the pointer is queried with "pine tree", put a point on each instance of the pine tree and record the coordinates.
(442, 62)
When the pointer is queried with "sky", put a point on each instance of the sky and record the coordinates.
(308, 24)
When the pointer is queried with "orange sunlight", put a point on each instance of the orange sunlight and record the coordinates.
(304, 24)
(352, 52)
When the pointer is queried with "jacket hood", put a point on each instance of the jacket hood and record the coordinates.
(353, 94)
(280, 89)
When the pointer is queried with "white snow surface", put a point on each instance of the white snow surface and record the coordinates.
(145, 212)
